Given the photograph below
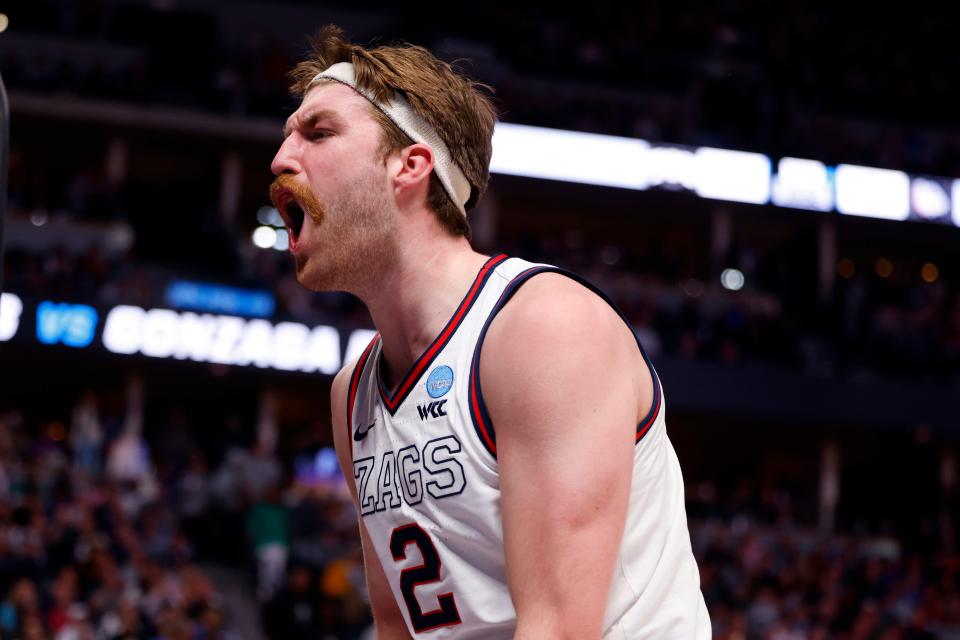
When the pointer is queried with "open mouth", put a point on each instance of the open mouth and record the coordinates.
(292, 214)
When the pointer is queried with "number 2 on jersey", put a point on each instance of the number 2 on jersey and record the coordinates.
(444, 616)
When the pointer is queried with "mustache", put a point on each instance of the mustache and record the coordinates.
(310, 204)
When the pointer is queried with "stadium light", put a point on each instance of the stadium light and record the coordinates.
(956, 202)
(10, 309)
(736, 176)
(732, 279)
(269, 216)
(571, 156)
(929, 273)
(282, 243)
(264, 237)
(719, 174)
(874, 193)
(929, 198)
(802, 184)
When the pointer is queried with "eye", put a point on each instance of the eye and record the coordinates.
(319, 134)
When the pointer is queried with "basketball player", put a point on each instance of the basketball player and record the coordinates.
(503, 435)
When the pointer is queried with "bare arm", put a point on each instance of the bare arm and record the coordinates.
(389, 621)
(564, 383)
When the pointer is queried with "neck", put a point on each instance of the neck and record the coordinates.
(419, 294)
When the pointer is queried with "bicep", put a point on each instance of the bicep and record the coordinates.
(563, 398)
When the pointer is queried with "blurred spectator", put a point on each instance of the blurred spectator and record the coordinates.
(86, 434)
(293, 611)
(260, 472)
(268, 526)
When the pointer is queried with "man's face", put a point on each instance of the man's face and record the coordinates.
(333, 191)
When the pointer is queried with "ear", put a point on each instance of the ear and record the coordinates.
(411, 175)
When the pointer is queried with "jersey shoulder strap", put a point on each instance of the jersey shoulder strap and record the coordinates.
(478, 408)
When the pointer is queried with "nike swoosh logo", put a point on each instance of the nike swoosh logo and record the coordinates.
(361, 432)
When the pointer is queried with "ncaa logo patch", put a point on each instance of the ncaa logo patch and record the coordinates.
(439, 381)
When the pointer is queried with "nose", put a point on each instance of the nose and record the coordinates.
(286, 159)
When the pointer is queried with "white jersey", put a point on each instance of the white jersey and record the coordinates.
(425, 465)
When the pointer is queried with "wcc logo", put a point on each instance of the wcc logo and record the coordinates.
(439, 382)
(432, 410)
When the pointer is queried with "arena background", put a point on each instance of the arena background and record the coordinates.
(769, 190)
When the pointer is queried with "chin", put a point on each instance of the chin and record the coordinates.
(303, 274)
(313, 281)
(306, 281)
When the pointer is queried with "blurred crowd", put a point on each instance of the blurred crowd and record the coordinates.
(744, 74)
(90, 549)
(108, 532)
(870, 326)
(768, 575)
(785, 582)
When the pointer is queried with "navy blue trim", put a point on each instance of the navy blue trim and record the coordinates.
(482, 423)
(420, 366)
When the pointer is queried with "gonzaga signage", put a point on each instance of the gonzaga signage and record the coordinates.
(179, 335)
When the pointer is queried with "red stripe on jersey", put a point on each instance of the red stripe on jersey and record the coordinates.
(655, 410)
(392, 401)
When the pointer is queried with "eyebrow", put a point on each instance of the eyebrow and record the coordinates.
(311, 120)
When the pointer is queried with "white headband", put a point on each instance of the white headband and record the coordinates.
(412, 124)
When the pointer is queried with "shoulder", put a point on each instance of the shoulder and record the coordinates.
(553, 310)
(557, 347)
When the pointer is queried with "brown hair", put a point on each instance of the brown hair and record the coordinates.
(455, 106)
